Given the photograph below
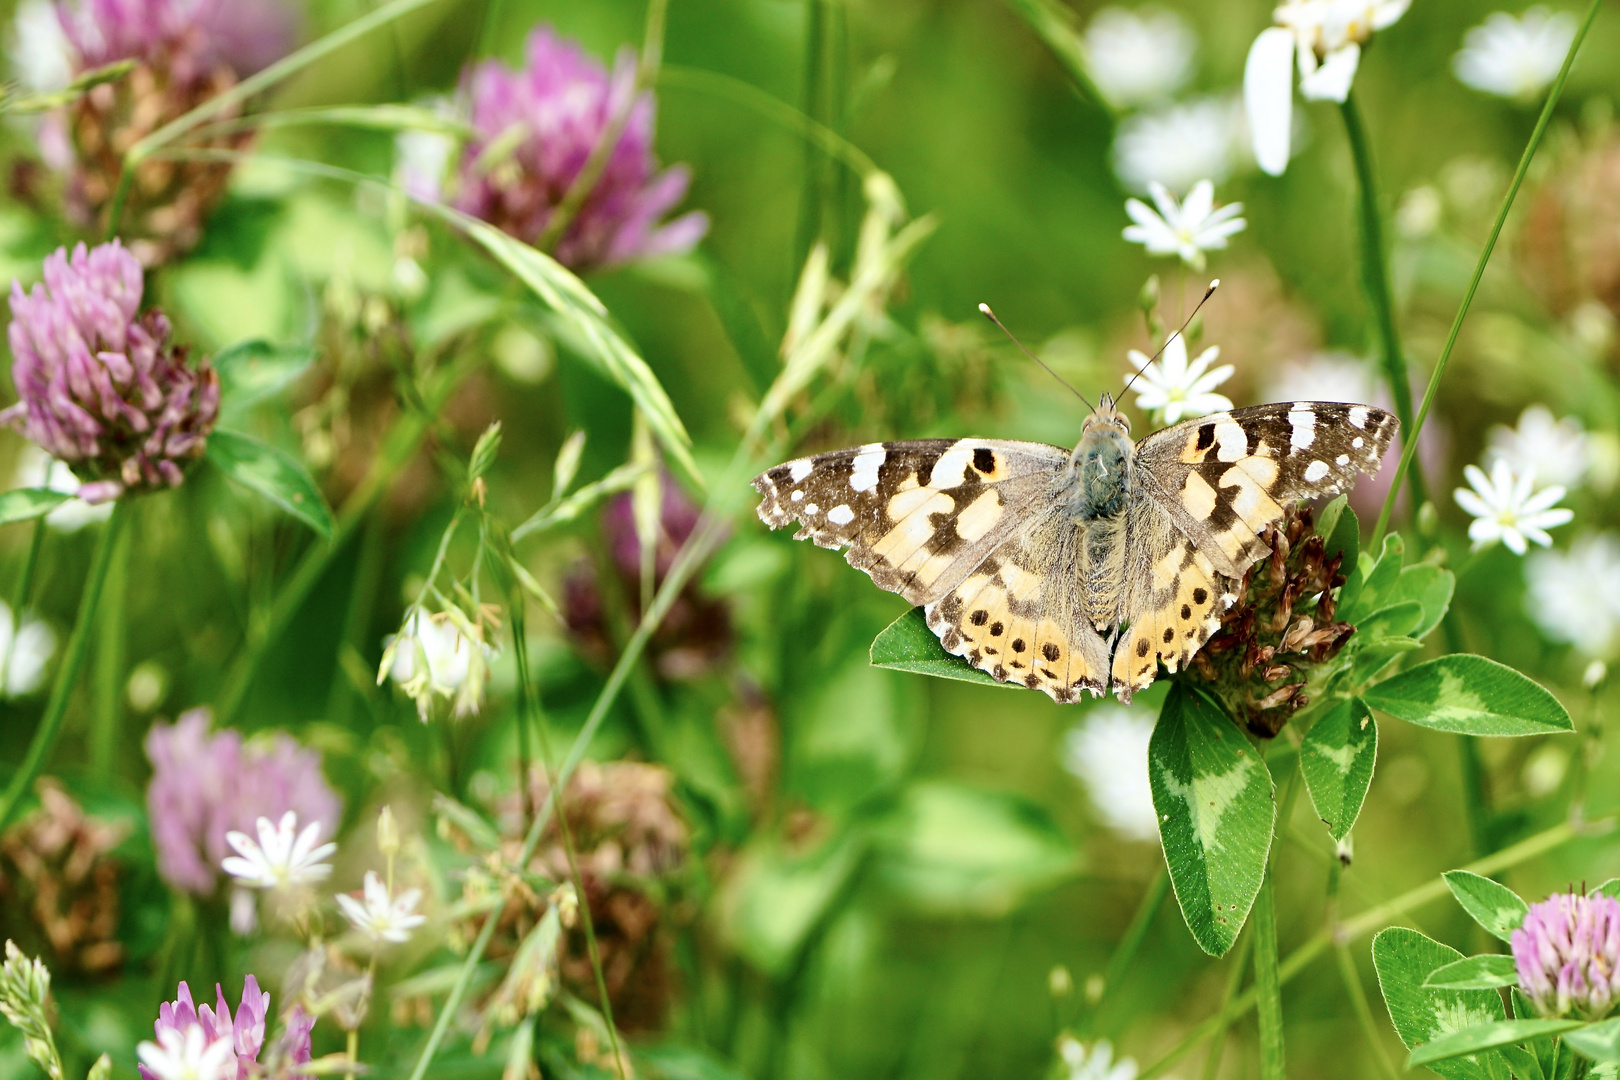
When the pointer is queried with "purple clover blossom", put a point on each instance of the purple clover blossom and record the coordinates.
(556, 110)
(1568, 955)
(191, 38)
(677, 517)
(245, 1031)
(205, 786)
(100, 386)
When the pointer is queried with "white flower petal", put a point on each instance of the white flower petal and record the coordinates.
(1268, 96)
(1331, 81)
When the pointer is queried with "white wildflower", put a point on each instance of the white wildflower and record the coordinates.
(25, 651)
(382, 917)
(38, 49)
(1175, 389)
(1178, 145)
(1507, 509)
(1574, 596)
(1329, 376)
(1139, 57)
(434, 655)
(1324, 37)
(1096, 1064)
(188, 1055)
(1186, 229)
(36, 468)
(1556, 451)
(422, 155)
(282, 857)
(1108, 753)
(1515, 57)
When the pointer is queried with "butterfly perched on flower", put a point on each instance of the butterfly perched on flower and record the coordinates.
(1085, 569)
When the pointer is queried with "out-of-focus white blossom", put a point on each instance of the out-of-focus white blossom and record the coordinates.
(1553, 450)
(38, 48)
(25, 650)
(282, 857)
(1178, 145)
(1574, 596)
(1324, 39)
(1515, 57)
(1506, 508)
(1139, 57)
(36, 468)
(188, 1055)
(381, 916)
(1108, 753)
(1186, 229)
(1096, 1063)
(433, 655)
(1173, 389)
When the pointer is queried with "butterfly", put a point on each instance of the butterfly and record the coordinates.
(1085, 569)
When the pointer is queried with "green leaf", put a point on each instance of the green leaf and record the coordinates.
(1337, 758)
(1493, 905)
(1366, 589)
(1484, 972)
(1403, 958)
(1431, 587)
(1393, 621)
(777, 897)
(682, 1061)
(1213, 795)
(908, 645)
(251, 371)
(1372, 658)
(1341, 532)
(1600, 1041)
(948, 849)
(588, 320)
(273, 473)
(1609, 888)
(26, 504)
(1525, 1065)
(1470, 695)
(1487, 1036)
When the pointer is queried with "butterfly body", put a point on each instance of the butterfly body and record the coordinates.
(1084, 569)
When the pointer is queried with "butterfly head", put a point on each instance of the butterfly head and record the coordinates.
(1107, 414)
(1098, 480)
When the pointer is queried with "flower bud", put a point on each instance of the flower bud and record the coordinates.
(1568, 955)
(387, 833)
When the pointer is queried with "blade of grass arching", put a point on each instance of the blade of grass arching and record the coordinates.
(1375, 279)
(1055, 25)
(50, 724)
(1267, 985)
(1410, 436)
(386, 117)
(706, 536)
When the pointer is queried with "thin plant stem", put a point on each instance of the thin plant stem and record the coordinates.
(50, 725)
(20, 598)
(1375, 278)
(108, 715)
(1410, 435)
(1267, 988)
(282, 69)
(1363, 1010)
(1375, 918)
(1234, 980)
(652, 55)
(1136, 933)
(399, 446)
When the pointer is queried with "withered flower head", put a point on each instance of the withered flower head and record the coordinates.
(1280, 630)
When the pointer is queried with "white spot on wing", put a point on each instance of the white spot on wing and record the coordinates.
(1302, 428)
(1358, 416)
(800, 469)
(1358, 442)
(1315, 471)
(798, 496)
(811, 508)
(1343, 459)
(864, 476)
(952, 465)
(1231, 442)
(841, 515)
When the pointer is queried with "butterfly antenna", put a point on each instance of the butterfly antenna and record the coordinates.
(1209, 292)
(984, 309)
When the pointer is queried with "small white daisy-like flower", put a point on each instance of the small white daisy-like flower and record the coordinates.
(1324, 39)
(1179, 145)
(25, 651)
(1108, 753)
(282, 857)
(1097, 1063)
(1175, 389)
(382, 917)
(188, 1055)
(1515, 57)
(39, 50)
(1138, 57)
(1574, 596)
(1506, 508)
(1186, 229)
(1557, 451)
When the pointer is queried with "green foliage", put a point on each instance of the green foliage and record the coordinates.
(1470, 695)
(1336, 759)
(1475, 973)
(1213, 794)
(1421, 1015)
(907, 644)
(273, 473)
(1493, 905)
(254, 371)
(27, 504)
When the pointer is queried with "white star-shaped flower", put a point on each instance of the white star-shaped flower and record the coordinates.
(188, 1055)
(1177, 389)
(1574, 596)
(382, 917)
(1094, 1064)
(1506, 508)
(282, 857)
(1557, 450)
(1186, 229)
(1515, 58)
(1178, 145)
(1325, 37)
(1138, 57)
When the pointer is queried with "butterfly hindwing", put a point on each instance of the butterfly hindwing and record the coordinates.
(1226, 477)
(917, 516)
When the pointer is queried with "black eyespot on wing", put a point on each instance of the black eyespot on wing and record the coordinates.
(1018, 644)
(984, 459)
(1199, 596)
(1142, 647)
(1206, 437)
(979, 618)
(1169, 635)
(1051, 652)
(996, 629)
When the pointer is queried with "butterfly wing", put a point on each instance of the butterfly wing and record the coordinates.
(918, 516)
(1225, 478)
